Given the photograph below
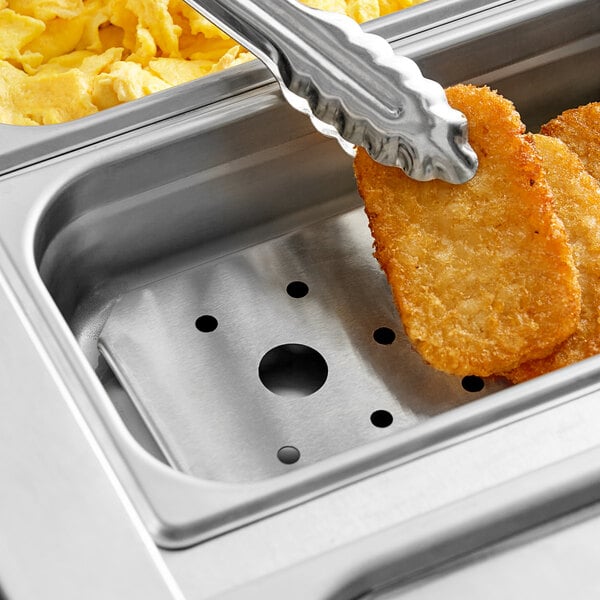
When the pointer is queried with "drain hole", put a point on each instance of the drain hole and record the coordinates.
(288, 455)
(297, 289)
(384, 336)
(382, 418)
(472, 383)
(206, 323)
(292, 370)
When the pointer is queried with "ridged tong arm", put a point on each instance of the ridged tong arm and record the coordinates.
(352, 85)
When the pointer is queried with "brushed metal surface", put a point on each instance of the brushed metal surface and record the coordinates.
(352, 85)
(558, 557)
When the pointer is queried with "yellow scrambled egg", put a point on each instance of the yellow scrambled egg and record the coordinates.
(65, 59)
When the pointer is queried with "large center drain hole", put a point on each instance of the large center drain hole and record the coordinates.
(292, 370)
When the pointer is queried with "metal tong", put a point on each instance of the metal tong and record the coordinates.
(352, 85)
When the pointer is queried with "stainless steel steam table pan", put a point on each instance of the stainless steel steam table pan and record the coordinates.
(23, 145)
(200, 252)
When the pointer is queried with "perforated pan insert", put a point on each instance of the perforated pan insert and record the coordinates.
(287, 352)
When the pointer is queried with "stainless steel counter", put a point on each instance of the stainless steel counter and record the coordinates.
(556, 561)
(67, 528)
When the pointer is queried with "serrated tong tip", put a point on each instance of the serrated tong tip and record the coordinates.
(352, 85)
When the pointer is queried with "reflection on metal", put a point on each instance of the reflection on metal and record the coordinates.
(352, 85)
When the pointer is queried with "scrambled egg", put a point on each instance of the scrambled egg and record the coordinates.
(65, 59)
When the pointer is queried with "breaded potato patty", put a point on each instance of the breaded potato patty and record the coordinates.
(577, 202)
(579, 129)
(481, 273)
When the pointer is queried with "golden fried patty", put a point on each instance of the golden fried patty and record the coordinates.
(577, 202)
(579, 128)
(481, 273)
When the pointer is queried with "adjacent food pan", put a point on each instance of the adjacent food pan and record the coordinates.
(23, 145)
(172, 272)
